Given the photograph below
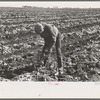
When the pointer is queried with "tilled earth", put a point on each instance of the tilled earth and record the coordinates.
(80, 49)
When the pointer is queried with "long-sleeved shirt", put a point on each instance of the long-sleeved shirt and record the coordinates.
(49, 34)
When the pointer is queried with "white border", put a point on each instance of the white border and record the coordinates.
(50, 89)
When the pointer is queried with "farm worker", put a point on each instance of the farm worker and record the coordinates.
(51, 37)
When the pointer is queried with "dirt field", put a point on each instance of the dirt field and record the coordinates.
(20, 46)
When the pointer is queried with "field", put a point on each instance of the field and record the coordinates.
(20, 47)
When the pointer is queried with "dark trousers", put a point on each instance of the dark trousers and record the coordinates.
(58, 51)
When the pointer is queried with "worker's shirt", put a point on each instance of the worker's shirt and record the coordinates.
(49, 34)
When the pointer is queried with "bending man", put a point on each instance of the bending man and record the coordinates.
(51, 37)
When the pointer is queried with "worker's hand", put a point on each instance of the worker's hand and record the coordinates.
(47, 51)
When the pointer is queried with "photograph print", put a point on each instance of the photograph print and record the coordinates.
(50, 41)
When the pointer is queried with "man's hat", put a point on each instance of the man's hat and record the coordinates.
(38, 27)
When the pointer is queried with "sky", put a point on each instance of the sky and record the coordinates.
(60, 4)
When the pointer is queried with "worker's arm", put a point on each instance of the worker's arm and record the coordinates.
(47, 48)
(51, 44)
(43, 50)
